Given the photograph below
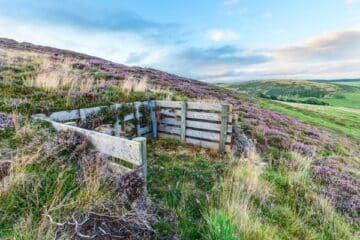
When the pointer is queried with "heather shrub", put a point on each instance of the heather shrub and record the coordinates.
(303, 149)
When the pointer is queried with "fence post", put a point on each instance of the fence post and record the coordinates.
(137, 117)
(143, 153)
(183, 121)
(153, 119)
(224, 127)
(82, 114)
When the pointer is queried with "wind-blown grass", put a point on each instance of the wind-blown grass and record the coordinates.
(274, 203)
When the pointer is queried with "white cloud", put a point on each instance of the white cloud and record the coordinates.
(218, 35)
(268, 14)
(235, 11)
(327, 47)
(352, 1)
(329, 56)
(231, 2)
(115, 46)
(278, 31)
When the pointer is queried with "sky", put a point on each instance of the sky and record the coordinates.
(208, 40)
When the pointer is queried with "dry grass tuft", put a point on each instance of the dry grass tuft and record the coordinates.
(238, 190)
(132, 84)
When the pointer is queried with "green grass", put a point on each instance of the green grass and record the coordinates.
(214, 200)
(349, 83)
(16, 96)
(45, 179)
(332, 93)
(342, 120)
(279, 202)
(344, 99)
(182, 178)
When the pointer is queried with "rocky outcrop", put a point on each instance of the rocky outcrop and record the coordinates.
(242, 145)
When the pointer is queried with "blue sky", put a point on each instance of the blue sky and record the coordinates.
(210, 40)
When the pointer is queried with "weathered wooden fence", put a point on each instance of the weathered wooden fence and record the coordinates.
(71, 117)
(131, 151)
(205, 124)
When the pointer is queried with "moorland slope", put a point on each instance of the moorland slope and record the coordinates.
(302, 181)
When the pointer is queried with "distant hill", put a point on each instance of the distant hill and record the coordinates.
(342, 93)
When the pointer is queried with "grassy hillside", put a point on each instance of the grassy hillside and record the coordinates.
(336, 93)
(339, 119)
(301, 181)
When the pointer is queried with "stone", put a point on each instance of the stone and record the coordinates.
(243, 146)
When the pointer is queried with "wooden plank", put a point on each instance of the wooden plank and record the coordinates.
(204, 106)
(144, 130)
(193, 133)
(191, 105)
(194, 124)
(65, 116)
(205, 135)
(129, 117)
(224, 127)
(201, 143)
(89, 111)
(71, 123)
(124, 149)
(171, 112)
(169, 129)
(213, 117)
(168, 104)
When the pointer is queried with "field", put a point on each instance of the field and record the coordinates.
(294, 172)
(339, 119)
(349, 82)
(336, 93)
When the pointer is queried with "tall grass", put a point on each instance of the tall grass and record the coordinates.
(46, 180)
(273, 203)
(233, 204)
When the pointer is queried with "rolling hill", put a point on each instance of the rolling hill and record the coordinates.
(301, 182)
(340, 93)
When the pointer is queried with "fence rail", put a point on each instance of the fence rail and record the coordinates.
(122, 148)
(131, 151)
(204, 124)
